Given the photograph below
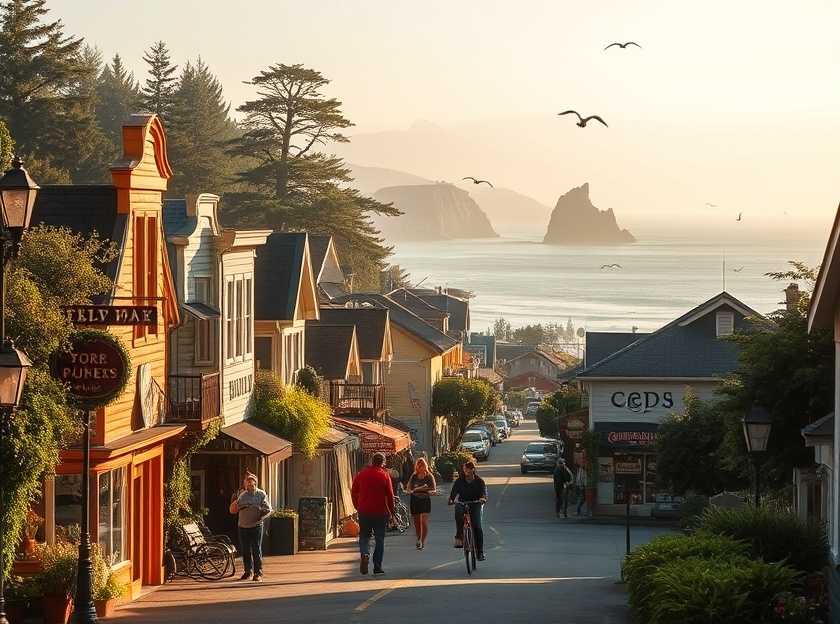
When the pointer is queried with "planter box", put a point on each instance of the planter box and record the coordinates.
(57, 609)
(282, 536)
(105, 608)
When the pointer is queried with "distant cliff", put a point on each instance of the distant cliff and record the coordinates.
(575, 221)
(432, 212)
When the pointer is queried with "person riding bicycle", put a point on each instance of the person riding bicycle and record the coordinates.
(469, 487)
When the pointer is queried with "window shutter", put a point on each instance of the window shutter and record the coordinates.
(725, 323)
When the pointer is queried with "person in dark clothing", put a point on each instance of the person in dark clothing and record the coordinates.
(469, 487)
(407, 469)
(563, 478)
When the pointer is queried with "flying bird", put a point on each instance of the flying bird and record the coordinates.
(708, 205)
(738, 270)
(583, 120)
(740, 214)
(623, 45)
(477, 181)
(610, 266)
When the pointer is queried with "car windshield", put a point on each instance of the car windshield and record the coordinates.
(541, 448)
(472, 436)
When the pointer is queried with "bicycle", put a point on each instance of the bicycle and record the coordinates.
(468, 537)
(401, 515)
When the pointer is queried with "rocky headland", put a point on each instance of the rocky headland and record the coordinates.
(576, 221)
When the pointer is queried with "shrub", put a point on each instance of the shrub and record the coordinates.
(692, 509)
(641, 564)
(724, 591)
(773, 535)
(450, 462)
(59, 568)
(291, 413)
(309, 380)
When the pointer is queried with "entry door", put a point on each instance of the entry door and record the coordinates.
(262, 352)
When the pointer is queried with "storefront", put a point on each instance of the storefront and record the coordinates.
(626, 467)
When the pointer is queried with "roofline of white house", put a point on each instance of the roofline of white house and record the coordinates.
(679, 379)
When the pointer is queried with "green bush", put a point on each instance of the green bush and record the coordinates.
(450, 462)
(309, 380)
(692, 509)
(724, 591)
(772, 535)
(291, 413)
(641, 564)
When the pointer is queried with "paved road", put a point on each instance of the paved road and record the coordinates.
(539, 570)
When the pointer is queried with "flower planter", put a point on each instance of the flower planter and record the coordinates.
(282, 536)
(105, 608)
(57, 609)
(28, 547)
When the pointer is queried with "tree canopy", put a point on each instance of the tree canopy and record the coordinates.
(462, 400)
(159, 90)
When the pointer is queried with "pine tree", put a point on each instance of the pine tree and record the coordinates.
(89, 161)
(293, 185)
(118, 96)
(160, 86)
(198, 131)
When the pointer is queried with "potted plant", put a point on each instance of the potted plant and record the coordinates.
(282, 538)
(105, 596)
(20, 593)
(30, 530)
(56, 580)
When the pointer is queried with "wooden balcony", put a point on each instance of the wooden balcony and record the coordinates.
(194, 399)
(359, 400)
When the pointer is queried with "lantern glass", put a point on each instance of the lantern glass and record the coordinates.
(756, 435)
(16, 209)
(13, 365)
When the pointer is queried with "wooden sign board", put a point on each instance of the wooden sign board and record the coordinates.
(96, 369)
(111, 315)
(314, 517)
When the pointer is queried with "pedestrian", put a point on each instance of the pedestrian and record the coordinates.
(251, 507)
(420, 486)
(469, 488)
(373, 497)
(580, 486)
(563, 478)
(408, 469)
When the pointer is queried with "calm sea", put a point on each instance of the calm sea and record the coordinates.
(527, 282)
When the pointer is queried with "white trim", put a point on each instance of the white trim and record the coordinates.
(816, 306)
(721, 301)
(679, 379)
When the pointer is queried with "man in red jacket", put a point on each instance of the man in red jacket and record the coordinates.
(373, 497)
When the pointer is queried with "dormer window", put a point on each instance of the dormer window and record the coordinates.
(725, 323)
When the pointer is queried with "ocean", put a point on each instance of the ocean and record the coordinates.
(524, 281)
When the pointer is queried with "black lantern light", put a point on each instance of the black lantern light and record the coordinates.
(757, 424)
(17, 198)
(13, 365)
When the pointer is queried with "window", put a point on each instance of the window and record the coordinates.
(263, 347)
(725, 323)
(202, 292)
(229, 323)
(249, 316)
(240, 334)
(367, 373)
(111, 516)
(145, 266)
(68, 505)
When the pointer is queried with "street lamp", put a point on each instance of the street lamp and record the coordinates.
(757, 424)
(17, 198)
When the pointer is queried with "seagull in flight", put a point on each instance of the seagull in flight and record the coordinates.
(708, 205)
(477, 181)
(611, 266)
(583, 120)
(623, 45)
(738, 270)
(740, 214)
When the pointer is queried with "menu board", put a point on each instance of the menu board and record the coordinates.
(313, 516)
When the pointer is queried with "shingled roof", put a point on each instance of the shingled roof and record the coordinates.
(371, 325)
(329, 349)
(277, 275)
(458, 309)
(601, 344)
(687, 347)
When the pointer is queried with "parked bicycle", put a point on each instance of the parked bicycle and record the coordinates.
(401, 516)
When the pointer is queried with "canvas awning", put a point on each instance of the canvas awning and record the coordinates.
(201, 311)
(257, 439)
(377, 436)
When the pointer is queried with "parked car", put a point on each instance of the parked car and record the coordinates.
(502, 424)
(531, 410)
(540, 456)
(489, 427)
(476, 442)
(666, 506)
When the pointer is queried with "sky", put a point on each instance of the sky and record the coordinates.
(732, 103)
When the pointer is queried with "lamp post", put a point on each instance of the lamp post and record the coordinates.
(757, 424)
(17, 199)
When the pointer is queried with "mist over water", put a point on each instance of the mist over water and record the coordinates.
(527, 282)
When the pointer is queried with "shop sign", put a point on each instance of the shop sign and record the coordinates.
(637, 438)
(575, 428)
(628, 466)
(111, 315)
(642, 402)
(375, 443)
(94, 370)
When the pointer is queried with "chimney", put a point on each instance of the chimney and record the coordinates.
(440, 290)
(792, 297)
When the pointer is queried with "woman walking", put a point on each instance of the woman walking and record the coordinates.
(421, 484)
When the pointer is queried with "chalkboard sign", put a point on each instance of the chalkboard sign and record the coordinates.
(314, 516)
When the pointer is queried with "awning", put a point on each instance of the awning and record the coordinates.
(332, 437)
(820, 431)
(376, 436)
(257, 439)
(201, 311)
(627, 436)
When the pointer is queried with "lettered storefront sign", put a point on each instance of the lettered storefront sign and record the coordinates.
(94, 370)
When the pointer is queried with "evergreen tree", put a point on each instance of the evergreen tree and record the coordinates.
(89, 162)
(159, 91)
(118, 96)
(198, 131)
(293, 185)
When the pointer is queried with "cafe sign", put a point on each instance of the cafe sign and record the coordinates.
(94, 370)
(111, 315)
(633, 438)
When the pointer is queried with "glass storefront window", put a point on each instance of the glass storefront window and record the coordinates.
(635, 475)
(650, 478)
(68, 507)
(111, 522)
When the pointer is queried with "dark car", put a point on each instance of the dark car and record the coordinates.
(540, 456)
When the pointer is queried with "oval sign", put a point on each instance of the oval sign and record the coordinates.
(95, 371)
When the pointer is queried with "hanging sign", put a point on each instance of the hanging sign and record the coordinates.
(95, 370)
(111, 315)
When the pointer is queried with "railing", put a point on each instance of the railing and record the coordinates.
(356, 399)
(194, 398)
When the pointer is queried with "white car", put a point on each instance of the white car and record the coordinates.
(477, 443)
(502, 424)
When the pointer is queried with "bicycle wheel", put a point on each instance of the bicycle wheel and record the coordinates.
(212, 562)
(469, 547)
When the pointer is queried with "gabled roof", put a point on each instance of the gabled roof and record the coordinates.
(281, 270)
(601, 344)
(416, 305)
(827, 288)
(549, 357)
(404, 318)
(458, 309)
(332, 350)
(84, 209)
(319, 245)
(820, 428)
(371, 328)
(685, 348)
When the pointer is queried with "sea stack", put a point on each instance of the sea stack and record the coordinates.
(575, 221)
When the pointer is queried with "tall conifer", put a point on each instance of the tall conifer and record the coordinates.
(159, 90)
(118, 96)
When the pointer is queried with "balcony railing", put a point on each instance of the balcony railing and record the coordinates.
(355, 399)
(194, 399)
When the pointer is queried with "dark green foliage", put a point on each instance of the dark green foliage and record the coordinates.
(462, 400)
(7, 147)
(118, 96)
(448, 464)
(702, 591)
(393, 277)
(692, 509)
(199, 129)
(555, 407)
(159, 90)
(688, 444)
(515, 399)
(178, 488)
(641, 564)
(535, 334)
(309, 380)
(773, 536)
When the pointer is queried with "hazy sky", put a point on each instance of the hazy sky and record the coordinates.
(760, 77)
